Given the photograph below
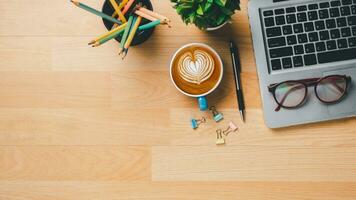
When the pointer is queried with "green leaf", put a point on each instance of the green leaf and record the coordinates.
(220, 2)
(206, 13)
(200, 10)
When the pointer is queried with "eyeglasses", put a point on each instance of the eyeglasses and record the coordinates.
(292, 94)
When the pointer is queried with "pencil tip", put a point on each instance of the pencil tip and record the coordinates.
(75, 2)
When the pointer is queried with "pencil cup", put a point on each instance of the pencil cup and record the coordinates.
(141, 36)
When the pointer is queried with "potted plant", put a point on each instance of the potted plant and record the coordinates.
(206, 14)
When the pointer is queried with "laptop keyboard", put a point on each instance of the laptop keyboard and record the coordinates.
(311, 34)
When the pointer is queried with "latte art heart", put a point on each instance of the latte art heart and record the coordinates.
(196, 67)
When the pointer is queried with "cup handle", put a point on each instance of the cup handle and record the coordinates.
(203, 103)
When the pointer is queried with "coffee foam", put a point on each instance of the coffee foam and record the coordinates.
(196, 66)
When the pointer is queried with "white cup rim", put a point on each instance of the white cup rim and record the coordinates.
(219, 60)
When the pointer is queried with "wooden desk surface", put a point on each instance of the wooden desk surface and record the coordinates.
(77, 123)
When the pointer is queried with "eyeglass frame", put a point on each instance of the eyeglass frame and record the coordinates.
(308, 83)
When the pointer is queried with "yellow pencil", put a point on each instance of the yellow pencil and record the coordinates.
(122, 4)
(132, 34)
(124, 11)
(118, 11)
(108, 33)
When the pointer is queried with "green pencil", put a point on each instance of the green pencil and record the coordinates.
(126, 33)
(96, 12)
(149, 25)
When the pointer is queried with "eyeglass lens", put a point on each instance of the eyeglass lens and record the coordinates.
(290, 94)
(331, 89)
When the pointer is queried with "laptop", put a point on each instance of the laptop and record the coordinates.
(304, 39)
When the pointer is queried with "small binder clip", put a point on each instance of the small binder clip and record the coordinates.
(219, 138)
(232, 128)
(196, 122)
(216, 115)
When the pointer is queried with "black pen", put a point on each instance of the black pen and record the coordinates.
(236, 65)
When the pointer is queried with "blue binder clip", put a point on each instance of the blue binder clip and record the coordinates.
(196, 122)
(216, 115)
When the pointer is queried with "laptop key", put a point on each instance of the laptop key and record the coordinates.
(302, 38)
(268, 13)
(279, 11)
(291, 19)
(335, 3)
(342, 43)
(276, 42)
(291, 40)
(313, 37)
(324, 5)
(309, 48)
(352, 20)
(290, 10)
(281, 52)
(287, 30)
(298, 28)
(323, 14)
(269, 21)
(324, 35)
(301, 8)
(353, 9)
(335, 33)
(287, 63)
(331, 45)
(341, 22)
(320, 25)
(354, 31)
(310, 59)
(298, 49)
(346, 32)
(334, 12)
(298, 61)
(352, 42)
(280, 20)
(302, 17)
(309, 26)
(330, 23)
(346, 2)
(345, 11)
(313, 6)
(320, 46)
(273, 32)
(312, 15)
(276, 64)
(336, 56)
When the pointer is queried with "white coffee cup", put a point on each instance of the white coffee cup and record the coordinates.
(203, 103)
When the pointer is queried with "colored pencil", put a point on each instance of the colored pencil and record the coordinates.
(122, 4)
(118, 11)
(144, 15)
(96, 12)
(126, 33)
(124, 11)
(133, 32)
(154, 14)
(108, 38)
(121, 27)
(149, 25)
(127, 6)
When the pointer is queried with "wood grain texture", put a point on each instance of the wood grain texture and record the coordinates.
(93, 190)
(77, 122)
